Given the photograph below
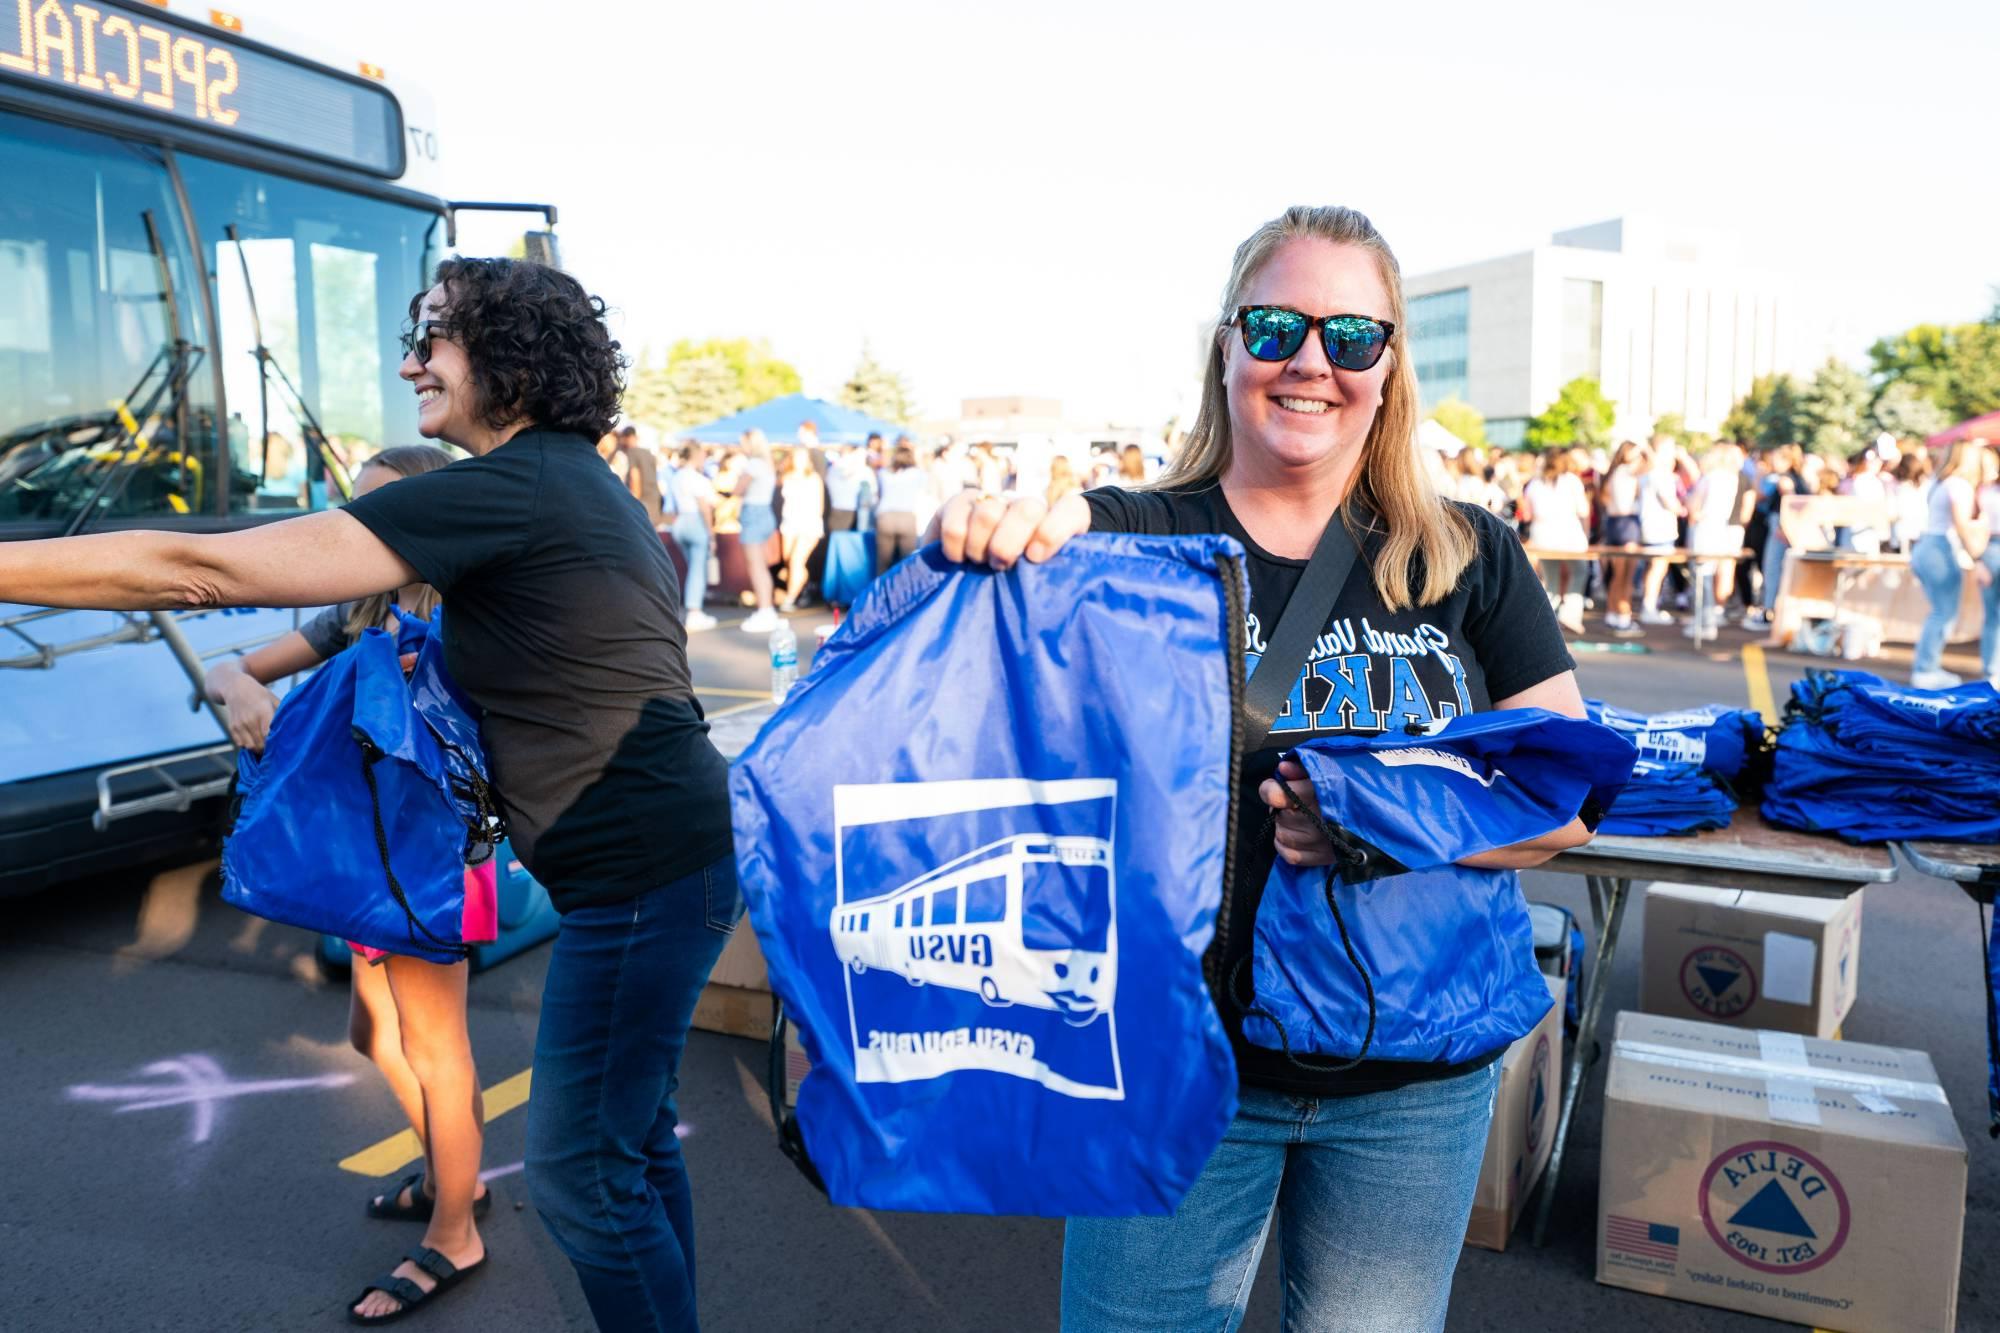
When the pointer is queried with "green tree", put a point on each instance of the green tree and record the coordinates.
(876, 390)
(1580, 415)
(1833, 410)
(1903, 410)
(1768, 414)
(704, 388)
(1672, 425)
(759, 376)
(649, 397)
(1955, 366)
(1463, 420)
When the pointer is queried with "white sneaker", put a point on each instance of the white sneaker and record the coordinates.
(1612, 620)
(696, 621)
(762, 622)
(1934, 680)
(1570, 613)
(1652, 615)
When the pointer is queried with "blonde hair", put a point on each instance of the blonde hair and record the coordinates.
(405, 460)
(1391, 479)
(1964, 459)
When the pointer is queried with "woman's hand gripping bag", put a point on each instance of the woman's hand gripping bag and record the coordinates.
(983, 844)
(1396, 952)
(367, 804)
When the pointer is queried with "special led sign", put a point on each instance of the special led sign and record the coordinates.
(153, 63)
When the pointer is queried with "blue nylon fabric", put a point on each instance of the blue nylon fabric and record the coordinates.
(1045, 750)
(1868, 760)
(1695, 767)
(302, 850)
(1450, 949)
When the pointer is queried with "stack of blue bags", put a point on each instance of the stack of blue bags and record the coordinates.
(1870, 760)
(1696, 765)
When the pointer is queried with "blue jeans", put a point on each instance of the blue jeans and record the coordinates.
(1935, 563)
(1989, 599)
(692, 537)
(1371, 1192)
(1775, 547)
(603, 1163)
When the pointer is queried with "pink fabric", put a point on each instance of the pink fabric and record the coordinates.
(480, 923)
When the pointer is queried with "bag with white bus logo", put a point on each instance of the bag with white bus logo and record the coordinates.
(983, 887)
(1395, 951)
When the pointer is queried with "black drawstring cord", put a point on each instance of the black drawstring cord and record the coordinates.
(371, 755)
(1349, 857)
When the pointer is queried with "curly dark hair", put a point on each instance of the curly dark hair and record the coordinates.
(537, 342)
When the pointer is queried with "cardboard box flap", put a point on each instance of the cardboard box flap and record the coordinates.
(1872, 1092)
(1798, 907)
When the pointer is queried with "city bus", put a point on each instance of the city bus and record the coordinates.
(209, 235)
(1024, 920)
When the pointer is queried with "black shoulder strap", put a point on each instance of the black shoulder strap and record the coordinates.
(1301, 624)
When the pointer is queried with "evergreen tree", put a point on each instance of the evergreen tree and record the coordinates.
(1580, 415)
(704, 388)
(649, 397)
(1832, 410)
(1766, 415)
(1906, 412)
(876, 390)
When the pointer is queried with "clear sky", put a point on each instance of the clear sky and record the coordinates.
(1042, 198)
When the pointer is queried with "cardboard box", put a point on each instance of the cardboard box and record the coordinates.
(742, 962)
(1819, 1182)
(1523, 1130)
(1751, 960)
(796, 1064)
(737, 999)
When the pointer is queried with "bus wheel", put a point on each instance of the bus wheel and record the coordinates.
(1080, 1018)
(989, 991)
(914, 980)
(858, 965)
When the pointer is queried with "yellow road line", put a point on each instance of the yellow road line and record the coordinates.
(732, 694)
(399, 1150)
(760, 701)
(1759, 681)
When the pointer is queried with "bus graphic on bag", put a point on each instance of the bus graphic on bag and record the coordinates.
(975, 927)
(1024, 920)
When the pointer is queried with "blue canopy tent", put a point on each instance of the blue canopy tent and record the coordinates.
(779, 419)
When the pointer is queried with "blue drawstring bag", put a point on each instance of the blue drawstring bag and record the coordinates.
(983, 844)
(1396, 952)
(368, 802)
(850, 564)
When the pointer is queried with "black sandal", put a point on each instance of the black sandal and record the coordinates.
(447, 1274)
(389, 1207)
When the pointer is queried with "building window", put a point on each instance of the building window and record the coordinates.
(1439, 343)
(1506, 432)
(1583, 329)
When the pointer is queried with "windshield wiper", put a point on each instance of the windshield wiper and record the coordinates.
(330, 459)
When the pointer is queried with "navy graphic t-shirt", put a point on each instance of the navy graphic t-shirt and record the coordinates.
(1372, 670)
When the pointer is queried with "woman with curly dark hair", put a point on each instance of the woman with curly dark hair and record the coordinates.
(563, 624)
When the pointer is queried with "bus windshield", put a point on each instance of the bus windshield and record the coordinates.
(105, 336)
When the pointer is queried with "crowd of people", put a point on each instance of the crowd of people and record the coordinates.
(1717, 513)
(780, 503)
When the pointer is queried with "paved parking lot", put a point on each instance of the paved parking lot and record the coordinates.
(179, 1100)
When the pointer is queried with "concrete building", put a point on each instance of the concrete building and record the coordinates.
(1665, 319)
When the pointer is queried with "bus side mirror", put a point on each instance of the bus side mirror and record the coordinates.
(540, 247)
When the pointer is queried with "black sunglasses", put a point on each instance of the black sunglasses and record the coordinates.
(1274, 333)
(417, 338)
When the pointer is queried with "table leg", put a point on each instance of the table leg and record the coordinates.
(1614, 892)
(1700, 570)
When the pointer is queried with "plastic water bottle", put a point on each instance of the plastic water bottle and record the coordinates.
(784, 661)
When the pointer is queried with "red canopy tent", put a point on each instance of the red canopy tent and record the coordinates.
(1985, 428)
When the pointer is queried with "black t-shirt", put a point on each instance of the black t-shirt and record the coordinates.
(563, 624)
(1493, 637)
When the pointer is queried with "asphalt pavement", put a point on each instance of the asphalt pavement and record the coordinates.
(179, 1098)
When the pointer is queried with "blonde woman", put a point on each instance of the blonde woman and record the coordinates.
(1717, 508)
(1618, 502)
(1308, 417)
(803, 523)
(1951, 527)
(1557, 510)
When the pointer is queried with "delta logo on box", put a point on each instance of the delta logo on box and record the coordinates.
(1719, 982)
(1774, 1207)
